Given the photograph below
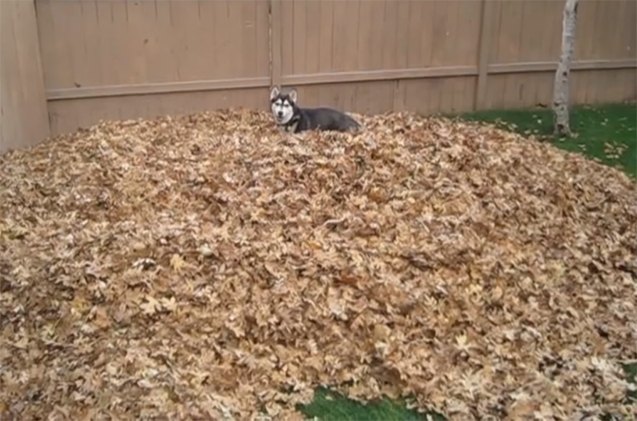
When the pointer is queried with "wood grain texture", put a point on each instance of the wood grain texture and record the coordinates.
(98, 42)
(167, 56)
(69, 114)
(23, 110)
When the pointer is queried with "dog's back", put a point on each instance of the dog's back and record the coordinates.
(324, 118)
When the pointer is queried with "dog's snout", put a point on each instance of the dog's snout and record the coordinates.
(280, 113)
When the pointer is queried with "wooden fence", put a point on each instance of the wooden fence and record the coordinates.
(23, 108)
(111, 59)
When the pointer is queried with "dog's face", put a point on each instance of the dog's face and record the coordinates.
(282, 105)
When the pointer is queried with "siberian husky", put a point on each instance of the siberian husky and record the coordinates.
(292, 118)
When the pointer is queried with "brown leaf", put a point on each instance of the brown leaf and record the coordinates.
(478, 271)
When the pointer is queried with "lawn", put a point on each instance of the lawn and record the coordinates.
(330, 406)
(606, 133)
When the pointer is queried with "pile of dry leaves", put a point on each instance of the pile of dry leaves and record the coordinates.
(209, 266)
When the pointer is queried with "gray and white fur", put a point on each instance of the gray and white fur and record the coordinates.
(292, 118)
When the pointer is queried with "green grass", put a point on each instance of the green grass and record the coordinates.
(607, 133)
(331, 406)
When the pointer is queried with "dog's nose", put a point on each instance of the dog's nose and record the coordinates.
(280, 113)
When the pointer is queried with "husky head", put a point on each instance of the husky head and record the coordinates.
(282, 105)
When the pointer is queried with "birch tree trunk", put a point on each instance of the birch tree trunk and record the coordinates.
(561, 86)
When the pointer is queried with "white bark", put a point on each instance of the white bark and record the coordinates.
(561, 87)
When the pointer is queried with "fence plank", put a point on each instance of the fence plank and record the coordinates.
(276, 42)
(486, 36)
(23, 120)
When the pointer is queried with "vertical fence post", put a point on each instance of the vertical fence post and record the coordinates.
(486, 25)
(24, 120)
(275, 42)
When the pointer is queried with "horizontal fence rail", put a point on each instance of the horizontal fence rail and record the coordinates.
(324, 78)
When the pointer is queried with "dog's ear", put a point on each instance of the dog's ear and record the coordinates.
(274, 92)
(293, 95)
